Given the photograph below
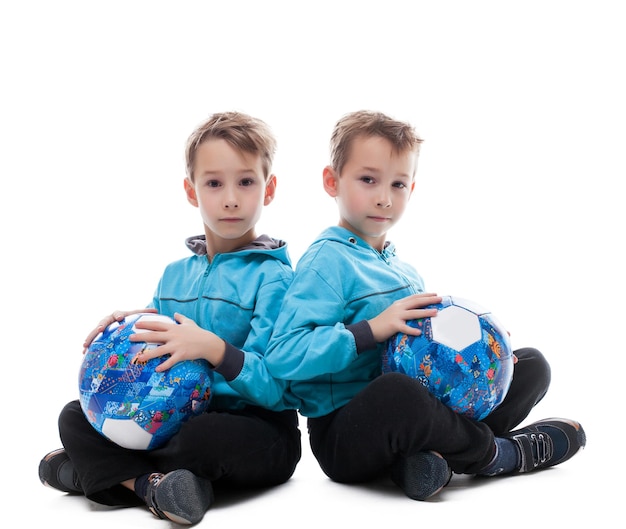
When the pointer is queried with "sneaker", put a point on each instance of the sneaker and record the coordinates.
(422, 475)
(179, 496)
(57, 471)
(546, 443)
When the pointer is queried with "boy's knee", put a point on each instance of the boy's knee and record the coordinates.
(71, 412)
(536, 362)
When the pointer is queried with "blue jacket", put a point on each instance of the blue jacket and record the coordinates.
(321, 340)
(237, 296)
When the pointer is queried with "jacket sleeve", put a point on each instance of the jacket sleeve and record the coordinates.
(244, 369)
(309, 337)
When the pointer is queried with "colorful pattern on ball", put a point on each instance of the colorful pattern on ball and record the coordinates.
(463, 356)
(128, 401)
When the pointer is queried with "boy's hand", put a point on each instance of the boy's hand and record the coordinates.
(116, 315)
(182, 341)
(394, 319)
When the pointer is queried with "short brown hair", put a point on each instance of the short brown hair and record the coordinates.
(241, 131)
(369, 123)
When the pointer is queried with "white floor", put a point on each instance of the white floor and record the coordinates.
(577, 492)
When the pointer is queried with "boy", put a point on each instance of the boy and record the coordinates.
(225, 299)
(349, 294)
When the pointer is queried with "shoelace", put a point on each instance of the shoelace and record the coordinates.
(541, 448)
(536, 450)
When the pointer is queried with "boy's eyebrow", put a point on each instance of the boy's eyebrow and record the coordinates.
(376, 170)
(218, 172)
(209, 173)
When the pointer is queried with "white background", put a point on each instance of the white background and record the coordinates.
(518, 204)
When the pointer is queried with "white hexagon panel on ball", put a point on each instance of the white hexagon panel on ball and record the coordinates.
(456, 328)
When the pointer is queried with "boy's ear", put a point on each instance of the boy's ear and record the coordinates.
(270, 189)
(190, 191)
(330, 181)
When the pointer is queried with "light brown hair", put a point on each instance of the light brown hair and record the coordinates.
(241, 131)
(369, 123)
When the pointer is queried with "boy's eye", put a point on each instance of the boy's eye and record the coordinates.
(213, 183)
(247, 181)
(400, 185)
(367, 179)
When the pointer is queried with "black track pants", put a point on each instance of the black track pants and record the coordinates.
(244, 449)
(395, 416)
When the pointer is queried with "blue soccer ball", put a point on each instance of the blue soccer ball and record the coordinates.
(463, 356)
(127, 401)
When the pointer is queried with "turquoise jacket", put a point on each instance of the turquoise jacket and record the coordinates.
(237, 296)
(322, 341)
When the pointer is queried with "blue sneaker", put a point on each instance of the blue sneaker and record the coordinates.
(546, 443)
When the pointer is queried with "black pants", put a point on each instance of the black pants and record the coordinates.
(395, 415)
(245, 449)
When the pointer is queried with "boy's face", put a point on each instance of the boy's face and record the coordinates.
(230, 190)
(373, 189)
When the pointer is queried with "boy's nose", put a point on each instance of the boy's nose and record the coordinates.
(384, 201)
(230, 200)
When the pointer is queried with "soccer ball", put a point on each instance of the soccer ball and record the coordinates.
(127, 401)
(463, 356)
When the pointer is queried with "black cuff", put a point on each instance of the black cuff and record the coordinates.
(232, 364)
(363, 336)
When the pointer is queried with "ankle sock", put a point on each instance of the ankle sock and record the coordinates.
(141, 486)
(506, 458)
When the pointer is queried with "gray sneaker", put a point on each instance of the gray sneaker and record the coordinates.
(57, 471)
(422, 475)
(179, 496)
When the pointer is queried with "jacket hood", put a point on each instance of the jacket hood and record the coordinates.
(344, 236)
(263, 243)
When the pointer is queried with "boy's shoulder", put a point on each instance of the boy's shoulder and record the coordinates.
(330, 236)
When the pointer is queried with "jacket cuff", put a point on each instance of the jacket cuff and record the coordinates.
(363, 336)
(232, 363)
